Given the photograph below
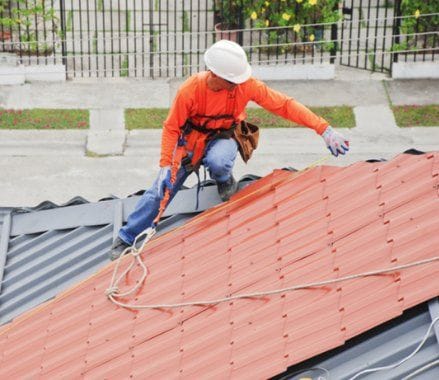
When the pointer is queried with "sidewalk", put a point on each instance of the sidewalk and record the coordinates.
(348, 89)
(52, 165)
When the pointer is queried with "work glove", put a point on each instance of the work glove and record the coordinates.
(164, 181)
(335, 141)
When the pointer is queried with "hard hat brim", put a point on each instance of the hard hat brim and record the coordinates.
(235, 79)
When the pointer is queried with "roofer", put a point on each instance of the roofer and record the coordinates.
(206, 113)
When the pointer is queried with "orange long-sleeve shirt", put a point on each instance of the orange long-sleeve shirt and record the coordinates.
(187, 105)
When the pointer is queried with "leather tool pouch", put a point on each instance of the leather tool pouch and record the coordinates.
(247, 137)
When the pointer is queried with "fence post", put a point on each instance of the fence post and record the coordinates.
(396, 31)
(62, 11)
(334, 36)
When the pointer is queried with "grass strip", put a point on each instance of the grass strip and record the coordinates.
(152, 118)
(415, 116)
(44, 119)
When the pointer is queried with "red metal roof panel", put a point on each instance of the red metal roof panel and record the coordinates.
(284, 230)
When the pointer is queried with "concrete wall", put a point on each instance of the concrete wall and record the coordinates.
(415, 70)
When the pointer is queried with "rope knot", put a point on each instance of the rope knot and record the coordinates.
(111, 291)
(135, 252)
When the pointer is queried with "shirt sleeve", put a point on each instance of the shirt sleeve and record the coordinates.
(285, 106)
(177, 116)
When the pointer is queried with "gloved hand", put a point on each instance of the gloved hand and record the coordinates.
(164, 181)
(335, 141)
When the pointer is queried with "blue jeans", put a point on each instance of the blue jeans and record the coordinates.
(219, 160)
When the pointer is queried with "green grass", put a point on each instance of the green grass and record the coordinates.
(414, 116)
(339, 117)
(44, 119)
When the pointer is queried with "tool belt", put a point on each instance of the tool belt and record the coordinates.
(244, 133)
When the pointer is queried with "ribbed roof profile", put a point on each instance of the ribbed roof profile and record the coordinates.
(283, 230)
(46, 249)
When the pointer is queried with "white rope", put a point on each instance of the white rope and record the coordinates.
(397, 364)
(422, 369)
(112, 295)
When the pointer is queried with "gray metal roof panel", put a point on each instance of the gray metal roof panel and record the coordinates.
(382, 346)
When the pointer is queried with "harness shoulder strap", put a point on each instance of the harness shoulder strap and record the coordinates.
(201, 93)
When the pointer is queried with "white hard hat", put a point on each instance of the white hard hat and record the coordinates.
(228, 60)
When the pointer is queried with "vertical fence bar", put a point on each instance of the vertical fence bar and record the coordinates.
(342, 33)
(96, 38)
(127, 38)
(376, 38)
(112, 39)
(142, 9)
(103, 38)
(183, 61)
(89, 39)
(366, 55)
(384, 35)
(19, 33)
(119, 37)
(167, 38)
(151, 38)
(3, 34)
(135, 37)
(46, 50)
(175, 37)
(334, 38)
(28, 47)
(360, 15)
(190, 38)
(72, 19)
(80, 37)
(395, 31)
(52, 7)
(62, 12)
(415, 55)
(424, 45)
(37, 41)
(350, 32)
(199, 34)
(160, 38)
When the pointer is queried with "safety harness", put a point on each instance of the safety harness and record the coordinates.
(194, 139)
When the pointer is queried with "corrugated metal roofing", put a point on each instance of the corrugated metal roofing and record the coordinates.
(52, 247)
(280, 231)
(379, 347)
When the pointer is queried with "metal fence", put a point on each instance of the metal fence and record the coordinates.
(167, 38)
